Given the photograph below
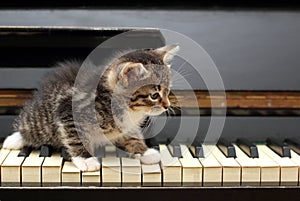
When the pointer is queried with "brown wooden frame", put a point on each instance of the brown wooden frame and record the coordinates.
(234, 99)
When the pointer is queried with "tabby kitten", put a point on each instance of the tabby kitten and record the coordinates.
(48, 117)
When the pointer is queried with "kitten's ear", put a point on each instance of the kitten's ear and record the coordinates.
(130, 72)
(167, 52)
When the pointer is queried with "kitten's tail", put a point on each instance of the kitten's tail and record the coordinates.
(14, 141)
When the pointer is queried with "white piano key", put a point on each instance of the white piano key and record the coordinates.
(131, 172)
(191, 168)
(70, 174)
(151, 175)
(171, 167)
(51, 170)
(288, 169)
(269, 169)
(296, 159)
(3, 155)
(91, 178)
(212, 169)
(11, 169)
(111, 168)
(186, 152)
(231, 169)
(31, 169)
(250, 173)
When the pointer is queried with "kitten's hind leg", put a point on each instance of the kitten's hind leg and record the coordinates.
(14, 141)
(80, 156)
(71, 140)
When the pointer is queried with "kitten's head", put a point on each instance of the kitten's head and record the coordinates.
(145, 75)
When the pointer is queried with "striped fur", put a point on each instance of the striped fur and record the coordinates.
(124, 97)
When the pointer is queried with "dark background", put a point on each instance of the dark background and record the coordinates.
(255, 44)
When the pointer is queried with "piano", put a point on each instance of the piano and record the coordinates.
(256, 156)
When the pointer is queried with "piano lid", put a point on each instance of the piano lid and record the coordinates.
(29, 52)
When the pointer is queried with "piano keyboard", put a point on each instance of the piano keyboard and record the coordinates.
(225, 164)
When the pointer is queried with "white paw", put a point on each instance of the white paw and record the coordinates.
(14, 141)
(86, 164)
(151, 156)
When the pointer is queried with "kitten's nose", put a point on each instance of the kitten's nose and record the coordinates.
(166, 104)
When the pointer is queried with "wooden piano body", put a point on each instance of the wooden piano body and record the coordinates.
(255, 113)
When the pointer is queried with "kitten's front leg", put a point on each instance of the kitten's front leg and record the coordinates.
(139, 149)
(132, 145)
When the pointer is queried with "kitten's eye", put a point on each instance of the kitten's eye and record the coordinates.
(154, 96)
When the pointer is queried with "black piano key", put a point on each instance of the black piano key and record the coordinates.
(25, 151)
(64, 154)
(100, 151)
(174, 148)
(227, 148)
(1, 140)
(152, 143)
(248, 147)
(46, 151)
(198, 149)
(279, 147)
(294, 144)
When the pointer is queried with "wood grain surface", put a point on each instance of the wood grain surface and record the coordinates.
(193, 99)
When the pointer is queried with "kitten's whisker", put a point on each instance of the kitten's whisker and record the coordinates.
(174, 101)
(177, 108)
(181, 66)
(174, 106)
(180, 79)
(180, 75)
(151, 120)
(184, 72)
(170, 109)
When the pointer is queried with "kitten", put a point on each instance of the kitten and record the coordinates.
(48, 117)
